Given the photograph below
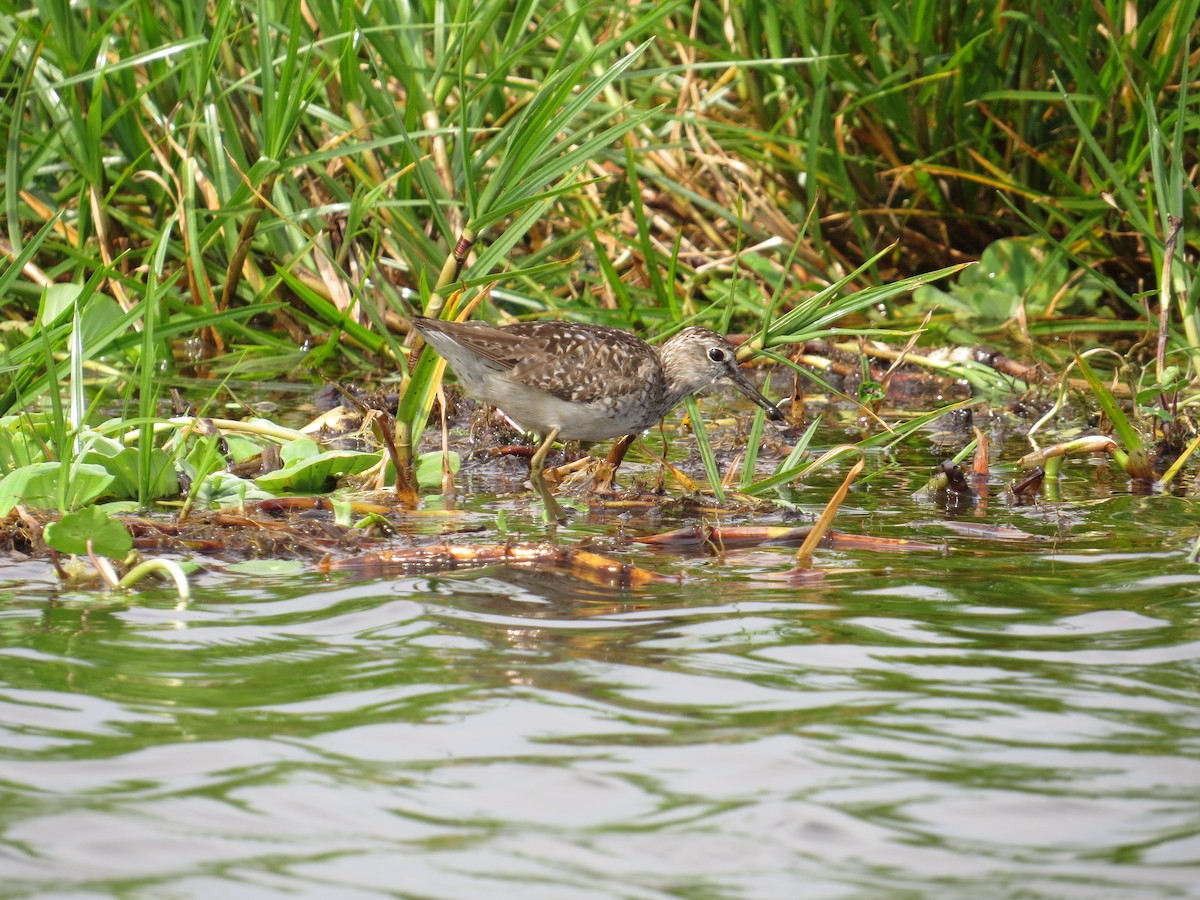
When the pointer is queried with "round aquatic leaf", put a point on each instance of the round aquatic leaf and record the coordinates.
(316, 473)
(241, 447)
(429, 469)
(221, 489)
(294, 451)
(72, 533)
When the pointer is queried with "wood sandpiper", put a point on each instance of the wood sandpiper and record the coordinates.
(582, 382)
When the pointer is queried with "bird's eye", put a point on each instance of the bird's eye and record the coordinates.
(716, 354)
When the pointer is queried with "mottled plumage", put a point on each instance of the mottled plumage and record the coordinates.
(589, 382)
(582, 382)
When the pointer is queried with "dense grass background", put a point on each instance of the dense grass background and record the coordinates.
(266, 181)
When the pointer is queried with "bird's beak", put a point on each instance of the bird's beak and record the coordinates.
(743, 384)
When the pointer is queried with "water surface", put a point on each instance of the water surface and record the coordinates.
(1017, 715)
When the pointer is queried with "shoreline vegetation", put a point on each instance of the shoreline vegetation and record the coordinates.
(268, 191)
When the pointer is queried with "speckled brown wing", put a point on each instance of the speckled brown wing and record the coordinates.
(582, 365)
(498, 345)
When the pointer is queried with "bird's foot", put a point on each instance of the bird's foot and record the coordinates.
(554, 514)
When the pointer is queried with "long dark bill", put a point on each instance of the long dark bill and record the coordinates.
(743, 384)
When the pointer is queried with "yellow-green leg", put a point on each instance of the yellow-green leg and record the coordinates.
(538, 480)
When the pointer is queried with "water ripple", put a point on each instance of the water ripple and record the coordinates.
(1006, 720)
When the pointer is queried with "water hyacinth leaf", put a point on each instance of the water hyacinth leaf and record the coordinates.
(429, 469)
(20, 448)
(203, 459)
(241, 447)
(222, 489)
(72, 533)
(1012, 273)
(308, 469)
(294, 451)
(37, 485)
(122, 462)
(343, 512)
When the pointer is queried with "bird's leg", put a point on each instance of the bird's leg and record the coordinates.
(538, 480)
(602, 483)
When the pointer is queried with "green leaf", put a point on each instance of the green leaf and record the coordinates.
(37, 485)
(203, 458)
(57, 299)
(294, 451)
(121, 462)
(72, 534)
(429, 469)
(20, 448)
(98, 318)
(1130, 439)
(221, 489)
(704, 448)
(309, 470)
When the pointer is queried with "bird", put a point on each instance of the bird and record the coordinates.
(584, 382)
